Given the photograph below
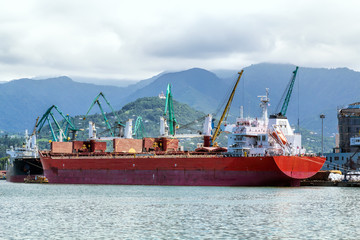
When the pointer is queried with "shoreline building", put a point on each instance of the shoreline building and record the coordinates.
(345, 155)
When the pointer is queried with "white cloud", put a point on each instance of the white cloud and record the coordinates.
(137, 39)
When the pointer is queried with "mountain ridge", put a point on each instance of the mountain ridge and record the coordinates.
(316, 91)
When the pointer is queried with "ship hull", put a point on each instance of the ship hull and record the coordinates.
(22, 168)
(217, 170)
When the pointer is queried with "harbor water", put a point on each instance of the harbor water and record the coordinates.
(46, 211)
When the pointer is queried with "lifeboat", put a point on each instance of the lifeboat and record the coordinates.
(279, 136)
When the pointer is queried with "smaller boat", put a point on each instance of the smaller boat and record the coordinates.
(24, 161)
(36, 179)
(2, 175)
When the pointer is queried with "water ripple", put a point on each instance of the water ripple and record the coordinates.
(32, 211)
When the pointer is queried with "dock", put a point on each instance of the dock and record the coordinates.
(330, 184)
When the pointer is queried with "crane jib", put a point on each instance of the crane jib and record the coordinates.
(288, 94)
(227, 108)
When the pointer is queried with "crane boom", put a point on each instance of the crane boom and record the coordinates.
(105, 118)
(34, 131)
(49, 112)
(139, 128)
(288, 92)
(169, 108)
(227, 108)
(55, 139)
(46, 118)
(96, 101)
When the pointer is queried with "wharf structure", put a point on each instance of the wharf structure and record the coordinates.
(346, 154)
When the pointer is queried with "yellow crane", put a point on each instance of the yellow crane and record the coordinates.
(226, 110)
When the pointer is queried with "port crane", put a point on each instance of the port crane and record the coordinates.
(285, 99)
(169, 109)
(226, 110)
(58, 134)
(168, 125)
(34, 130)
(139, 128)
(119, 124)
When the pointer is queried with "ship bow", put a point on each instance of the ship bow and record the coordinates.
(299, 167)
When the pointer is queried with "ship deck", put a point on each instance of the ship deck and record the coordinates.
(108, 155)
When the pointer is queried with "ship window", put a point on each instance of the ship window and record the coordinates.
(336, 158)
(342, 158)
(264, 137)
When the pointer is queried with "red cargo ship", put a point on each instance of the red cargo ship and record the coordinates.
(260, 152)
(67, 163)
(193, 170)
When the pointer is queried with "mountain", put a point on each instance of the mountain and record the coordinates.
(143, 83)
(197, 87)
(21, 101)
(101, 81)
(316, 91)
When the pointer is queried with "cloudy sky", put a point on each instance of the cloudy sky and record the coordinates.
(137, 39)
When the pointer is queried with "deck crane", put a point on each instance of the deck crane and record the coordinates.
(172, 123)
(285, 99)
(226, 110)
(139, 128)
(58, 134)
(119, 124)
(34, 130)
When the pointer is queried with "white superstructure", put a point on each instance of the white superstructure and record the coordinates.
(264, 136)
(28, 150)
(128, 129)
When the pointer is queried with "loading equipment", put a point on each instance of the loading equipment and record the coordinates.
(118, 124)
(58, 134)
(285, 99)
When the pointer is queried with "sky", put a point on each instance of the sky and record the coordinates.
(137, 39)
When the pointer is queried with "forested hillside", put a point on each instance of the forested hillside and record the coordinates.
(150, 109)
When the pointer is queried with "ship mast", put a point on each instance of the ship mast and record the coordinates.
(264, 104)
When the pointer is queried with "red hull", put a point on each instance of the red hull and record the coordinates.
(206, 170)
(16, 178)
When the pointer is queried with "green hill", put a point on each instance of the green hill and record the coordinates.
(149, 108)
